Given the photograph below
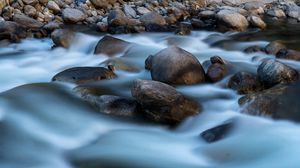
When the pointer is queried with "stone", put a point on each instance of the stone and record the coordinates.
(244, 83)
(185, 28)
(230, 20)
(288, 54)
(83, 75)
(254, 49)
(51, 26)
(12, 31)
(72, 16)
(63, 38)
(102, 3)
(117, 18)
(153, 21)
(271, 72)
(276, 13)
(122, 64)
(162, 103)
(207, 14)
(30, 11)
(257, 22)
(129, 12)
(30, 2)
(27, 21)
(107, 45)
(216, 72)
(142, 10)
(102, 27)
(219, 132)
(54, 7)
(274, 47)
(293, 11)
(279, 102)
(175, 66)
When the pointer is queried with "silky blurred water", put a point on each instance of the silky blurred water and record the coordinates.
(44, 125)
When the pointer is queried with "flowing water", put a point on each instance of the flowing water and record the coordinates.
(44, 125)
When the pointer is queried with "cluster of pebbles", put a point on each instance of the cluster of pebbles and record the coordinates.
(23, 18)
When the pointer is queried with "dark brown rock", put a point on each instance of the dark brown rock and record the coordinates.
(175, 66)
(244, 83)
(288, 54)
(107, 45)
(162, 103)
(216, 72)
(81, 75)
(63, 37)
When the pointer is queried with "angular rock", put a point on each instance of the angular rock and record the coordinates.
(162, 103)
(230, 20)
(274, 47)
(244, 83)
(271, 72)
(63, 37)
(27, 21)
(72, 16)
(175, 66)
(82, 75)
(288, 54)
(107, 45)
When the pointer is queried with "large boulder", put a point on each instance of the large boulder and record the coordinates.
(232, 21)
(62, 37)
(162, 103)
(107, 45)
(271, 72)
(279, 102)
(175, 66)
(27, 21)
(81, 75)
(72, 16)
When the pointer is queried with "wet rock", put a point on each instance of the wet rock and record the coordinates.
(51, 26)
(279, 102)
(142, 10)
(254, 49)
(276, 13)
(72, 16)
(257, 22)
(114, 105)
(122, 64)
(102, 27)
(256, 7)
(81, 75)
(271, 72)
(27, 21)
(63, 37)
(274, 47)
(117, 18)
(219, 132)
(207, 14)
(153, 22)
(230, 20)
(107, 45)
(30, 2)
(197, 23)
(288, 54)
(53, 6)
(12, 31)
(244, 83)
(216, 72)
(175, 66)
(185, 28)
(162, 103)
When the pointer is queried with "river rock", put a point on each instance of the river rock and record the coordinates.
(82, 75)
(271, 72)
(288, 54)
(293, 10)
(129, 11)
(107, 45)
(30, 2)
(175, 66)
(53, 6)
(244, 83)
(121, 63)
(279, 13)
(162, 103)
(185, 28)
(117, 18)
(153, 21)
(217, 70)
(102, 3)
(114, 105)
(274, 47)
(219, 132)
(12, 31)
(72, 16)
(279, 102)
(27, 21)
(30, 11)
(253, 49)
(230, 20)
(63, 37)
(257, 22)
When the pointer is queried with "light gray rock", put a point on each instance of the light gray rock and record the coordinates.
(71, 15)
(129, 11)
(230, 20)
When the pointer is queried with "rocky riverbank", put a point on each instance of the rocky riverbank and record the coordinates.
(38, 18)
